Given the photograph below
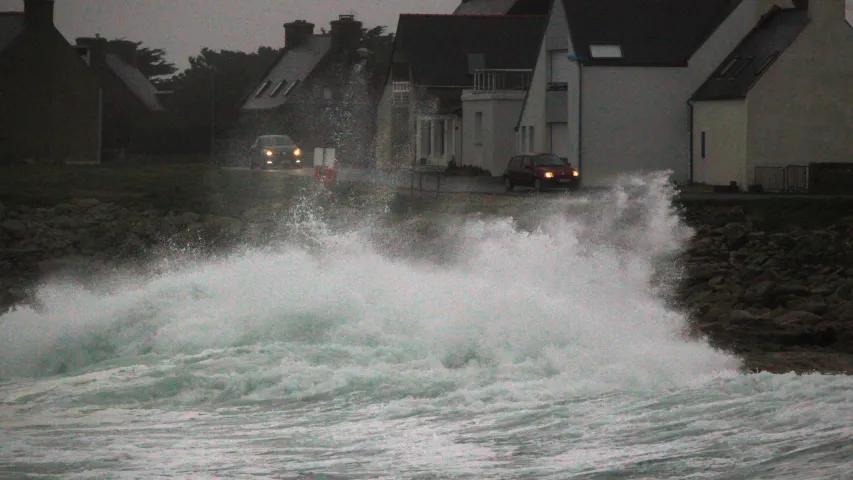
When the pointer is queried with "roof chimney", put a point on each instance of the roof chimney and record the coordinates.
(346, 33)
(297, 32)
(38, 13)
(97, 49)
(824, 11)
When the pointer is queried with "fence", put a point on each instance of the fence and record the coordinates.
(789, 179)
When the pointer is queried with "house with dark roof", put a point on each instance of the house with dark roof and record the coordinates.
(503, 7)
(611, 86)
(315, 92)
(777, 113)
(131, 104)
(455, 87)
(49, 100)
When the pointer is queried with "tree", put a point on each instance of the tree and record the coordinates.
(150, 61)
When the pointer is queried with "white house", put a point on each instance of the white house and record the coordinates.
(613, 79)
(778, 111)
(455, 89)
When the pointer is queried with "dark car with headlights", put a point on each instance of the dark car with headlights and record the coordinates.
(542, 171)
(271, 151)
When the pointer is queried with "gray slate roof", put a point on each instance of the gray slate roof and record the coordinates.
(11, 25)
(437, 46)
(135, 81)
(294, 64)
(484, 7)
(650, 32)
(742, 69)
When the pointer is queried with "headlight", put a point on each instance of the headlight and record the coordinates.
(549, 174)
(575, 173)
(269, 153)
(297, 152)
(298, 161)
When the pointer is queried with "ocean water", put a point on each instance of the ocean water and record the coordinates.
(496, 348)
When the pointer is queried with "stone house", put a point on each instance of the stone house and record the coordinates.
(131, 104)
(316, 92)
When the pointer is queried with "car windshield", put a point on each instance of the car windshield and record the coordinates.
(548, 161)
(276, 140)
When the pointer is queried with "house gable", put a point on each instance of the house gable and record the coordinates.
(556, 35)
(135, 81)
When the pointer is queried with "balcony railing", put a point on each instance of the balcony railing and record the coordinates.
(492, 80)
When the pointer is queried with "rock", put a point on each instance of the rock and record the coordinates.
(15, 229)
(760, 292)
(75, 265)
(735, 234)
(85, 202)
(739, 316)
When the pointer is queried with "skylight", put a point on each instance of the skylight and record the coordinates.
(767, 63)
(605, 51)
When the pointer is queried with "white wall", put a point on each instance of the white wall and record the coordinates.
(724, 124)
(801, 111)
(556, 37)
(500, 113)
(637, 119)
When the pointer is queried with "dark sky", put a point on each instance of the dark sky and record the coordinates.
(182, 27)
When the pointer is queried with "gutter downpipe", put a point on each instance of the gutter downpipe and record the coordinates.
(690, 155)
(579, 61)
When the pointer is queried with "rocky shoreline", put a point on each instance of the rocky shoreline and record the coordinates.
(780, 295)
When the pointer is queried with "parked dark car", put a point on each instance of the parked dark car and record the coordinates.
(541, 171)
(274, 151)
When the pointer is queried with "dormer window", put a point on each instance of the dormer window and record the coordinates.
(291, 87)
(605, 51)
(476, 62)
(278, 88)
(263, 88)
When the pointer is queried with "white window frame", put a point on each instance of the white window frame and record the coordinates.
(401, 91)
(446, 135)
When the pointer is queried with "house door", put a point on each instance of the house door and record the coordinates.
(559, 133)
(436, 139)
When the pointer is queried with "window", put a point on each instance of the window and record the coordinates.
(278, 88)
(291, 87)
(525, 162)
(263, 88)
(401, 93)
(426, 138)
(478, 128)
(559, 66)
(605, 51)
(772, 58)
(736, 70)
(703, 145)
(476, 61)
(530, 143)
(515, 162)
(438, 137)
(728, 66)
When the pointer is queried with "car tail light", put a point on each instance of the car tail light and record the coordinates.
(575, 173)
